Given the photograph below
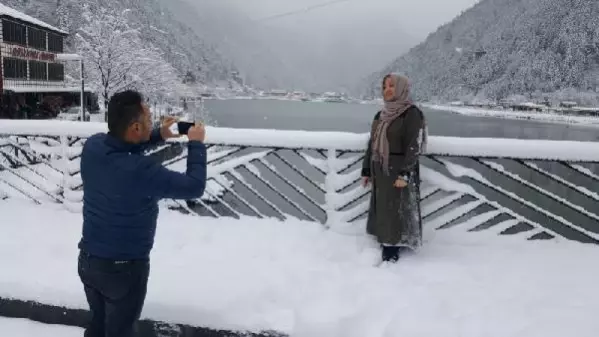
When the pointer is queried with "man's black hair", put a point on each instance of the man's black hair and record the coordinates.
(124, 108)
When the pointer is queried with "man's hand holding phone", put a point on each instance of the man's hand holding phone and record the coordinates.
(165, 128)
(197, 132)
(194, 131)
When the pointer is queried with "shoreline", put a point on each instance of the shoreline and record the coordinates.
(517, 115)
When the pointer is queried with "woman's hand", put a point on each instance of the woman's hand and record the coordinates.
(400, 183)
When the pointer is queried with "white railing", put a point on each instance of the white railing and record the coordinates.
(536, 189)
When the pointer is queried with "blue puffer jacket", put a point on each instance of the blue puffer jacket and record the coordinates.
(121, 189)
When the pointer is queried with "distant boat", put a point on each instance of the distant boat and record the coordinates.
(332, 97)
(299, 96)
(275, 94)
(208, 95)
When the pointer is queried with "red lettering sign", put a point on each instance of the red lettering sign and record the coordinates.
(47, 57)
(32, 54)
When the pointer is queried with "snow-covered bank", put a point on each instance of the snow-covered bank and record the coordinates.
(522, 115)
(298, 278)
(15, 327)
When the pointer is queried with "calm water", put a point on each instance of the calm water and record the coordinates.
(272, 114)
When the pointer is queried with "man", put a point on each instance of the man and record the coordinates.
(121, 189)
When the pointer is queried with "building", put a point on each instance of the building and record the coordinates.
(28, 48)
(30, 72)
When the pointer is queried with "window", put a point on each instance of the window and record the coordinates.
(55, 43)
(15, 68)
(36, 38)
(38, 70)
(55, 72)
(13, 32)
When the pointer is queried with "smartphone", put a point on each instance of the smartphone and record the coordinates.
(183, 127)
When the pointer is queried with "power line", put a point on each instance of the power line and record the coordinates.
(303, 10)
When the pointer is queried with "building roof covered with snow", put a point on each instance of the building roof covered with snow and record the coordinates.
(6, 11)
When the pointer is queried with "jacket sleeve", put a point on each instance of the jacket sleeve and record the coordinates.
(366, 169)
(155, 139)
(159, 182)
(412, 129)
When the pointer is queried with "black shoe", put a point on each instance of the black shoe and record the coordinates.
(390, 253)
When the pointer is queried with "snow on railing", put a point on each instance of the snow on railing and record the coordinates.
(537, 189)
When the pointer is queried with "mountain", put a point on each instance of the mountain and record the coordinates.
(247, 44)
(158, 30)
(503, 48)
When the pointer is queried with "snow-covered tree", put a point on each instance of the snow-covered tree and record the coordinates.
(117, 58)
(157, 29)
(63, 19)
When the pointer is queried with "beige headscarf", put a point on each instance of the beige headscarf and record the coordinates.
(392, 109)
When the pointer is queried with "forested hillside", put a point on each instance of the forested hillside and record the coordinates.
(503, 48)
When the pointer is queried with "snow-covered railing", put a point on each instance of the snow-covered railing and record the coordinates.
(537, 189)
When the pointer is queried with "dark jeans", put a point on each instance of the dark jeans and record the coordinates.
(115, 291)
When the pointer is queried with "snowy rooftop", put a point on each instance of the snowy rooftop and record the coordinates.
(13, 13)
(301, 279)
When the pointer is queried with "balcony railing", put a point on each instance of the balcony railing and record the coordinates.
(533, 189)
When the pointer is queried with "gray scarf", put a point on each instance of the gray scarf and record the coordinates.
(392, 109)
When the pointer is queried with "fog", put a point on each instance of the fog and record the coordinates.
(419, 17)
(318, 45)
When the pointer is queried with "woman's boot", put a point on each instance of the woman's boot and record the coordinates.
(390, 253)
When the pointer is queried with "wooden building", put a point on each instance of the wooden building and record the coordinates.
(32, 79)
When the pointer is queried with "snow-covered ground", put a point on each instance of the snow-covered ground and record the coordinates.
(16, 327)
(509, 114)
(298, 278)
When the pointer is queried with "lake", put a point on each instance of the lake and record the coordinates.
(312, 116)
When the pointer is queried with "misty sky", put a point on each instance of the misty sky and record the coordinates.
(417, 17)
(328, 48)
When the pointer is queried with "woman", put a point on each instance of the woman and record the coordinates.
(397, 138)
